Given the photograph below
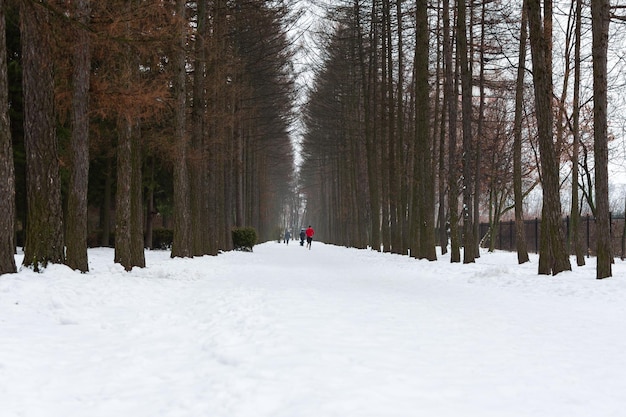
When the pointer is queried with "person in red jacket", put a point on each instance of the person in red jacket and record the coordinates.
(309, 236)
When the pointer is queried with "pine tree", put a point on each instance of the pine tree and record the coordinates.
(552, 253)
(44, 223)
(76, 222)
(7, 173)
(600, 29)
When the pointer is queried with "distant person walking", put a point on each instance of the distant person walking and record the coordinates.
(302, 237)
(287, 236)
(309, 236)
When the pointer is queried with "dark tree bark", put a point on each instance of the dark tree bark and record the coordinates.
(7, 172)
(150, 210)
(443, 230)
(575, 235)
(553, 256)
(371, 136)
(600, 30)
(366, 63)
(181, 245)
(449, 86)
(44, 222)
(480, 130)
(129, 238)
(136, 200)
(386, 125)
(198, 161)
(129, 251)
(123, 212)
(623, 256)
(398, 210)
(391, 233)
(441, 163)
(76, 225)
(520, 235)
(425, 197)
(469, 243)
(106, 203)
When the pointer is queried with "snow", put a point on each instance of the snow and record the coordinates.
(286, 331)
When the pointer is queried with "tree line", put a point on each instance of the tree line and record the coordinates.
(133, 107)
(425, 116)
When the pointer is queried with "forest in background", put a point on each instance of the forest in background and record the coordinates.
(426, 118)
(420, 118)
(130, 113)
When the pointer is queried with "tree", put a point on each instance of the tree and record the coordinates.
(441, 111)
(449, 92)
(76, 221)
(129, 91)
(371, 79)
(126, 197)
(553, 256)
(399, 199)
(44, 223)
(181, 245)
(7, 174)
(469, 242)
(520, 235)
(129, 241)
(575, 235)
(424, 195)
(198, 164)
(600, 32)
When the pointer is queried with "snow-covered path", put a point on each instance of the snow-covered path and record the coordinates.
(285, 331)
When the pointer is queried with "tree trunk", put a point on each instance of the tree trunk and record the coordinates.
(366, 71)
(106, 204)
(600, 29)
(469, 252)
(76, 225)
(449, 86)
(7, 170)
(129, 238)
(136, 200)
(123, 212)
(441, 163)
(181, 245)
(575, 235)
(624, 235)
(398, 208)
(44, 223)
(150, 210)
(480, 132)
(198, 168)
(443, 229)
(520, 235)
(553, 256)
(390, 223)
(423, 148)
(371, 138)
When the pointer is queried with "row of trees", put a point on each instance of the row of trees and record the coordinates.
(129, 105)
(422, 119)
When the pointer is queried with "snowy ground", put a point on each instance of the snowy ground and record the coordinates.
(288, 332)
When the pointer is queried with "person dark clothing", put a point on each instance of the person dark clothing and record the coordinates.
(302, 237)
(309, 236)
(287, 236)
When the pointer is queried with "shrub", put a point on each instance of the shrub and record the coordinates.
(244, 238)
